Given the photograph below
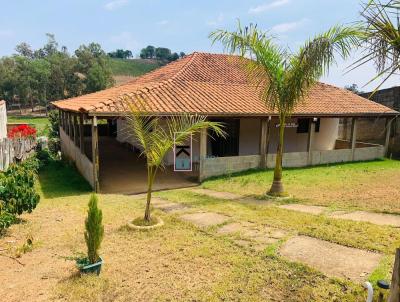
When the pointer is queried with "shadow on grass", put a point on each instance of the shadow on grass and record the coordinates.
(58, 179)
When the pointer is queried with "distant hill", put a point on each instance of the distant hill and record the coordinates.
(133, 67)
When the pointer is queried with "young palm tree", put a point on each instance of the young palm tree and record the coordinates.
(156, 136)
(284, 78)
(381, 38)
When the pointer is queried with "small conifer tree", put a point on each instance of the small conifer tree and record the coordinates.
(94, 229)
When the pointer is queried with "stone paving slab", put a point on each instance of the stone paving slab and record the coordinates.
(376, 218)
(216, 194)
(171, 207)
(316, 210)
(332, 259)
(205, 219)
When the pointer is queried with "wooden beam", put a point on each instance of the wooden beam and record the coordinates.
(264, 134)
(203, 152)
(95, 155)
(81, 134)
(388, 129)
(76, 139)
(310, 141)
(353, 137)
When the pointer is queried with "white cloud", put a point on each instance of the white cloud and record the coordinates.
(289, 26)
(112, 5)
(267, 6)
(216, 21)
(163, 22)
(125, 40)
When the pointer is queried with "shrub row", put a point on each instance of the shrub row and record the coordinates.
(17, 191)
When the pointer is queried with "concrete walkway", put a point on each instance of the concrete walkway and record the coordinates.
(375, 218)
(332, 259)
(365, 216)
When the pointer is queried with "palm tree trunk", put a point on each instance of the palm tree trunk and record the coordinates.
(277, 185)
(151, 175)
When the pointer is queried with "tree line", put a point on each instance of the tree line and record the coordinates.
(150, 52)
(52, 73)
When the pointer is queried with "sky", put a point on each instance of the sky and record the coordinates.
(181, 25)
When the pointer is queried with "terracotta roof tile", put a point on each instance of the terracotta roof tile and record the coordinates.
(215, 84)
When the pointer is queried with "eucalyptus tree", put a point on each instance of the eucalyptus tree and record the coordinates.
(156, 136)
(286, 77)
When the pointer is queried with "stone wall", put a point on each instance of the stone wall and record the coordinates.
(73, 153)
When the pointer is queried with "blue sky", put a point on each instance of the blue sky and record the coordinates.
(176, 24)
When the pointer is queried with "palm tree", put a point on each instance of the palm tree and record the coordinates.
(381, 38)
(156, 136)
(285, 78)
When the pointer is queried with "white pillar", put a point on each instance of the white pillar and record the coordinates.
(310, 142)
(95, 155)
(203, 152)
(353, 137)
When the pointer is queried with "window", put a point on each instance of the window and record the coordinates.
(228, 146)
(304, 124)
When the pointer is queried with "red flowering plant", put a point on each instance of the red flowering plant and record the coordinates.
(22, 131)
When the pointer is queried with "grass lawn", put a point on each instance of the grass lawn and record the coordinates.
(40, 123)
(177, 262)
(132, 67)
(372, 185)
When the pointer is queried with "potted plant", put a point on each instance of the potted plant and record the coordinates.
(93, 236)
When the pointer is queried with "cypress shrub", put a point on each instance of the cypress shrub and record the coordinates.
(94, 229)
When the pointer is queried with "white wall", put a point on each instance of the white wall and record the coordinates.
(297, 142)
(249, 136)
(3, 120)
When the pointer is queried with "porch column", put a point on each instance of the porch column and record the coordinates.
(75, 130)
(95, 155)
(203, 152)
(81, 134)
(70, 126)
(264, 139)
(353, 137)
(387, 138)
(310, 141)
(60, 121)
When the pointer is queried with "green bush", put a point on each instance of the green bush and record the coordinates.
(94, 229)
(17, 188)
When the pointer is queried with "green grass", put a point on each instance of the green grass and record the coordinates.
(177, 262)
(134, 67)
(59, 179)
(364, 185)
(40, 123)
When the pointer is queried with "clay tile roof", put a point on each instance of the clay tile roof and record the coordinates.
(215, 84)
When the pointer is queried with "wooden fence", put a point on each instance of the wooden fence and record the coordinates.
(15, 150)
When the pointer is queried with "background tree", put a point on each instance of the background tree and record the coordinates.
(381, 38)
(156, 138)
(49, 73)
(285, 78)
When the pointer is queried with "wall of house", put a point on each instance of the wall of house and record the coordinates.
(73, 153)
(297, 142)
(227, 165)
(249, 136)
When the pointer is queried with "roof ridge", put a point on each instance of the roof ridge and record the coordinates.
(184, 67)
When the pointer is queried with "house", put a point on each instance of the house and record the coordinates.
(218, 86)
(3, 120)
